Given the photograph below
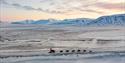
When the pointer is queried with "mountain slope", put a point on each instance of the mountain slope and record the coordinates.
(79, 21)
(109, 20)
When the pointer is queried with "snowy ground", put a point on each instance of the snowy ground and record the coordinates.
(31, 43)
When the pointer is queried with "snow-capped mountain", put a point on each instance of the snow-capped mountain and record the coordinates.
(40, 22)
(78, 21)
(32, 22)
(24, 22)
(118, 19)
(109, 20)
(49, 21)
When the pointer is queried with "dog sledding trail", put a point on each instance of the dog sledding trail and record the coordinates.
(103, 57)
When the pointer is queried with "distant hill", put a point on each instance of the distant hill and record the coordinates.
(118, 19)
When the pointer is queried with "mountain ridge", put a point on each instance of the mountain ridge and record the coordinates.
(117, 19)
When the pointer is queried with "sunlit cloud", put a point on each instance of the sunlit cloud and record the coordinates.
(56, 6)
(112, 6)
(60, 9)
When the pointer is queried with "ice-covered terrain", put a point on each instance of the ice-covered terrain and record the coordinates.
(30, 44)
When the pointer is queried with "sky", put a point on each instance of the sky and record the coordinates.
(15, 10)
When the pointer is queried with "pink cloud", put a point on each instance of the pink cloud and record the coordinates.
(113, 6)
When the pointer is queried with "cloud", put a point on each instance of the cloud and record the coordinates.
(42, 1)
(16, 5)
(35, 9)
(4, 2)
(23, 7)
(94, 11)
(113, 6)
(56, 6)
(64, 6)
(89, 10)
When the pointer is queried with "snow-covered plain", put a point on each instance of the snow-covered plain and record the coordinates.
(31, 43)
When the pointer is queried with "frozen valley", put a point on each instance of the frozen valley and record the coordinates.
(31, 43)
